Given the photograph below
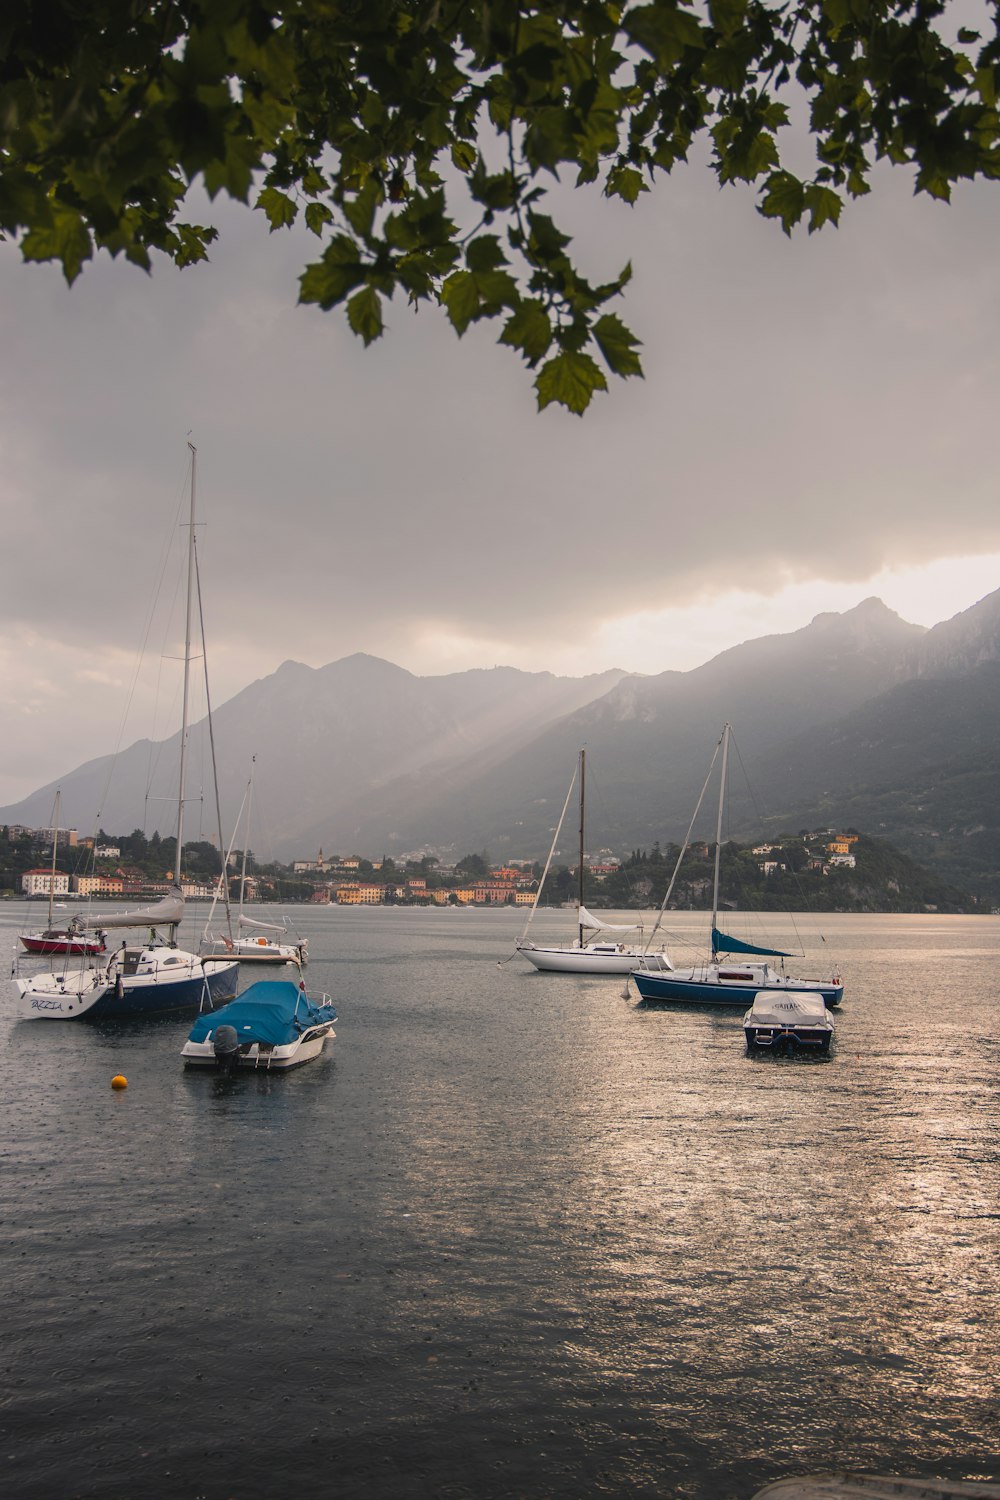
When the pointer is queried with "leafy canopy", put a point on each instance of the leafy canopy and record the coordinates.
(415, 138)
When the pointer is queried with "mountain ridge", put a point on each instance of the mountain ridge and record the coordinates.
(362, 755)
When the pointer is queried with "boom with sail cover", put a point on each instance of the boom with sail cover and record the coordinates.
(165, 913)
(723, 944)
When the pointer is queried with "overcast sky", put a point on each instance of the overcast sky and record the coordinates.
(816, 425)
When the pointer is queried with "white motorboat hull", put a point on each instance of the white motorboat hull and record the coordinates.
(261, 1057)
(593, 958)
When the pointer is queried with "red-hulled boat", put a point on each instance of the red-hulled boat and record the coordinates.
(65, 940)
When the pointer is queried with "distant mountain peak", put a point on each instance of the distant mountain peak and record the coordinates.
(870, 611)
(963, 642)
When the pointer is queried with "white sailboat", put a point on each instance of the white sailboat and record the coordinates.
(151, 976)
(735, 971)
(254, 941)
(610, 949)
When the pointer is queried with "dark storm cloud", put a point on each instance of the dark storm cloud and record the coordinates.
(818, 408)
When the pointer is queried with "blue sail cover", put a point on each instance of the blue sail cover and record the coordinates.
(723, 944)
(275, 1011)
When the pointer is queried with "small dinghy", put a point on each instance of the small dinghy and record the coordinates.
(272, 1026)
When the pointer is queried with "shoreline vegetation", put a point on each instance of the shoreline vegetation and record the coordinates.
(826, 871)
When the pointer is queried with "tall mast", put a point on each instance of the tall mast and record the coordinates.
(187, 673)
(55, 845)
(579, 903)
(246, 840)
(718, 836)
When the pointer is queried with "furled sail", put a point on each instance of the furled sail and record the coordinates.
(165, 913)
(263, 926)
(595, 925)
(723, 944)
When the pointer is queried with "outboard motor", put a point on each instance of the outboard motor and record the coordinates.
(226, 1045)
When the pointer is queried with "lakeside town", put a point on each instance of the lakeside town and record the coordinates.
(838, 870)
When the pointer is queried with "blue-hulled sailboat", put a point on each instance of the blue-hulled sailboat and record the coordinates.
(735, 970)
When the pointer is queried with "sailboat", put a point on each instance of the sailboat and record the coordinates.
(735, 971)
(254, 942)
(73, 938)
(150, 976)
(606, 952)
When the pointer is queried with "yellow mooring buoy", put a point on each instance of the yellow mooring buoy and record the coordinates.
(119, 1081)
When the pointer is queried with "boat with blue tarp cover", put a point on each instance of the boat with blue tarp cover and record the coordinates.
(273, 1025)
(736, 969)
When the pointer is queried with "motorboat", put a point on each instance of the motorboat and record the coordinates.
(271, 1027)
(788, 1022)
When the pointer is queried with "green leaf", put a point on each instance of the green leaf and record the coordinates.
(359, 209)
(824, 205)
(934, 181)
(192, 240)
(569, 378)
(547, 242)
(484, 253)
(65, 239)
(745, 150)
(233, 173)
(528, 329)
(665, 31)
(327, 281)
(461, 299)
(280, 209)
(496, 289)
(318, 215)
(785, 199)
(727, 15)
(313, 182)
(618, 345)
(986, 86)
(464, 155)
(364, 313)
(626, 183)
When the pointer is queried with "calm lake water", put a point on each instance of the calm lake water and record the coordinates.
(513, 1235)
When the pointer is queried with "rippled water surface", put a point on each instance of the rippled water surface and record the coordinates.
(514, 1235)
